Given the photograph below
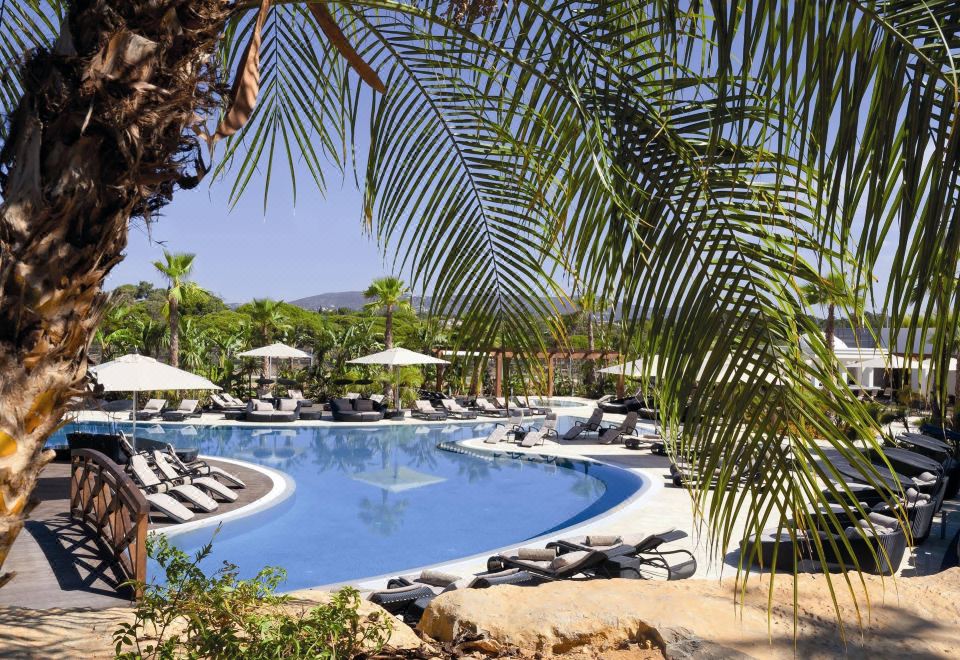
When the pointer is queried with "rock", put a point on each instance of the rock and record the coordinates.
(908, 617)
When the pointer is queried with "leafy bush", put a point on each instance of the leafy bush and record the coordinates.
(194, 615)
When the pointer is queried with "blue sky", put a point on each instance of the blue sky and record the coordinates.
(290, 252)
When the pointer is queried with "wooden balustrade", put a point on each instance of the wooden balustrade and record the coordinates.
(105, 499)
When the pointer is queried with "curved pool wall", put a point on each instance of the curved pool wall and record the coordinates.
(381, 499)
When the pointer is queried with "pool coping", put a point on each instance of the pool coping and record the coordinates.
(283, 487)
(647, 488)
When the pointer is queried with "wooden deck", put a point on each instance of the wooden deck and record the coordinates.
(58, 564)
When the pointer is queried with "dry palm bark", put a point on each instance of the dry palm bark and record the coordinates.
(102, 135)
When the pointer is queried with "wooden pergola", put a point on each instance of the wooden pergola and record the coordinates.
(502, 355)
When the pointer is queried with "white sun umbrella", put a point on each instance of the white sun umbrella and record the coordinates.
(396, 358)
(139, 373)
(277, 350)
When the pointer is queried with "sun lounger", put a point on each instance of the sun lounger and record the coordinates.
(168, 506)
(877, 546)
(488, 409)
(497, 435)
(425, 410)
(616, 433)
(536, 436)
(592, 425)
(501, 403)
(534, 410)
(652, 561)
(187, 408)
(153, 408)
(548, 563)
(171, 472)
(458, 411)
(408, 596)
(148, 480)
(222, 403)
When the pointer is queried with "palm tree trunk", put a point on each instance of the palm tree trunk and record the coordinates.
(591, 347)
(829, 327)
(388, 328)
(174, 333)
(98, 137)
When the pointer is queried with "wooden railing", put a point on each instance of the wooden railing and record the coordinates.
(105, 499)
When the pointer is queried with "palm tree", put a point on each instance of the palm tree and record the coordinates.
(266, 319)
(176, 268)
(645, 151)
(388, 294)
(832, 291)
(590, 306)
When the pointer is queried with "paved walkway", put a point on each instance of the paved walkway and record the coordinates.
(57, 563)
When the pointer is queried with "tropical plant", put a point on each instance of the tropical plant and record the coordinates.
(388, 294)
(176, 268)
(195, 615)
(685, 160)
(266, 320)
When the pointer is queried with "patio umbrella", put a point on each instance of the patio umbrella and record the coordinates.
(276, 350)
(139, 373)
(396, 358)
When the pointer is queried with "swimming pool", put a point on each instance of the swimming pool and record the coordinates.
(384, 498)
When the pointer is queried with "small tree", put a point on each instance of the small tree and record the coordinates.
(176, 268)
(389, 294)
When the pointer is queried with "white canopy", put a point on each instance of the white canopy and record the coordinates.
(139, 373)
(398, 357)
(277, 350)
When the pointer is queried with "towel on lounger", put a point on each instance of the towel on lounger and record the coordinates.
(537, 554)
(437, 578)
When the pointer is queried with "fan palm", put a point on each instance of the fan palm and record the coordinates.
(387, 294)
(696, 164)
(831, 292)
(176, 268)
(266, 319)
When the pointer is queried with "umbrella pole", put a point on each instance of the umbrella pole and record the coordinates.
(134, 439)
(396, 387)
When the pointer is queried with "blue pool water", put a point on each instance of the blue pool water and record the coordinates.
(380, 499)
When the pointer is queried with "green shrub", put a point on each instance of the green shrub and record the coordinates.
(194, 615)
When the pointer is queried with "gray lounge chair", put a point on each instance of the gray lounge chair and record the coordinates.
(488, 409)
(534, 410)
(172, 473)
(153, 409)
(592, 425)
(536, 436)
(222, 403)
(616, 433)
(652, 561)
(425, 410)
(497, 435)
(501, 402)
(148, 480)
(551, 565)
(187, 408)
(456, 410)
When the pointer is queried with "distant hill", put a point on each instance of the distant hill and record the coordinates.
(355, 300)
(329, 302)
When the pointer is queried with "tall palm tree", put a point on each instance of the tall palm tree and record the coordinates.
(176, 268)
(649, 152)
(387, 294)
(590, 306)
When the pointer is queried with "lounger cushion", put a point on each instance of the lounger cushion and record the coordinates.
(287, 405)
(262, 406)
(537, 554)
(437, 578)
(363, 405)
(562, 561)
(603, 540)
